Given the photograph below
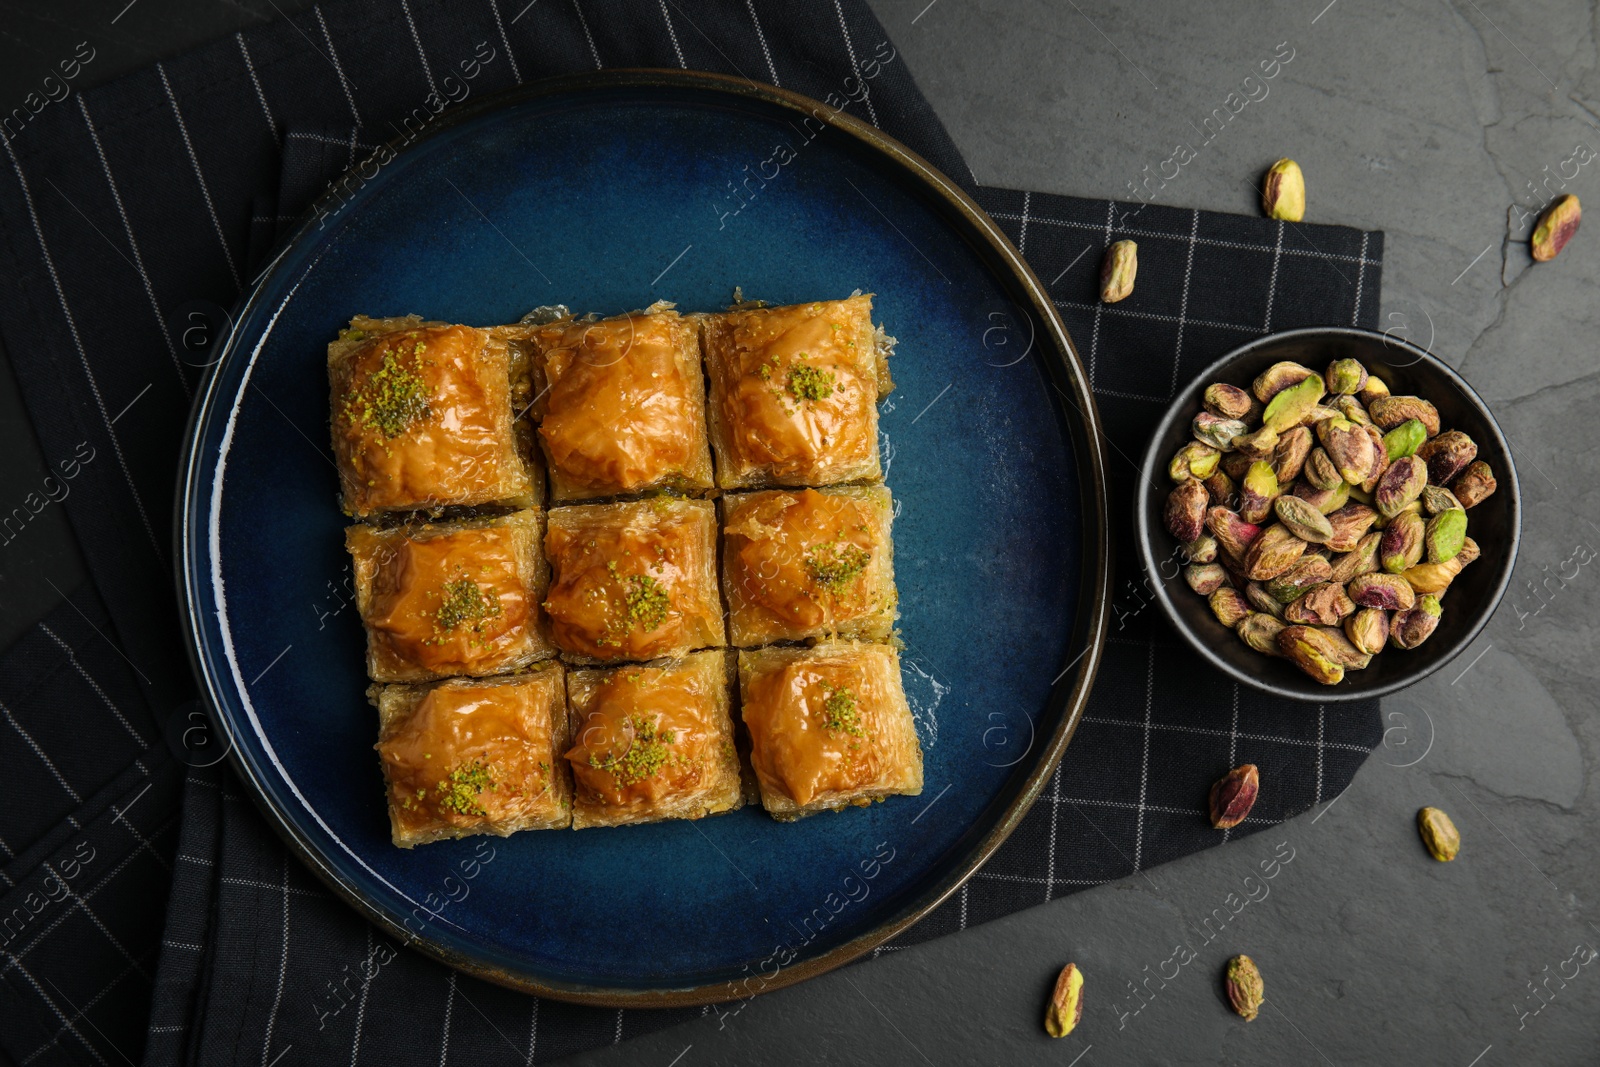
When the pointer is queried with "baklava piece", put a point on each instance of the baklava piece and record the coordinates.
(422, 417)
(653, 742)
(475, 757)
(451, 598)
(829, 727)
(633, 581)
(806, 564)
(794, 393)
(621, 405)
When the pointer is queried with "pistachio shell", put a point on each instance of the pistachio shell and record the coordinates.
(1271, 553)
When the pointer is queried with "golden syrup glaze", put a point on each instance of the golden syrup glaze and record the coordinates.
(799, 390)
(630, 581)
(468, 756)
(624, 404)
(648, 739)
(817, 727)
(421, 417)
(452, 603)
(801, 563)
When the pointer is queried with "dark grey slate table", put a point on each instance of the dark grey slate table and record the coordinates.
(1436, 123)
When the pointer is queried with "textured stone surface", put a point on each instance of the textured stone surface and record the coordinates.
(1422, 118)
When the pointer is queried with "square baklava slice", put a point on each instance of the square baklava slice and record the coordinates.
(653, 742)
(794, 393)
(472, 756)
(634, 580)
(451, 598)
(829, 727)
(810, 563)
(621, 404)
(422, 417)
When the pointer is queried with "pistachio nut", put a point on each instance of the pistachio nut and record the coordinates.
(1290, 407)
(1350, 447)
(1186, 511)
(1221, 489)
(1231, 532)
(1368, 630)
(1278, 377)
(1350, 524)
(1290, 455)
(1390, 411)
(1260, 630)
(1389, 592)
(1309, 649)
(1228, 401)
(1303, 519)
(1218, 433)
(1326, 501)
(1202, 549)
(1229, 606)
(1246, 991)
(1405, 439)
(1446, 533)
(1272, 552)
(1353, 409)
(1468, 553)
(1403, 542)
(1322, 605)
(1233, 795)
(1375, 389)
(1344, 653)
(1447, 455)
(1436, 499)
(1259, 491)
(1411, 627)
(1205, 578)
(1066, 1002)
(1555, 228)
(1361, 494)
(1320, 471)
(1263, 601)
(1235, 463)
(1283, 192)
(1318, 412)
(1401, 484)
(1345, 377)
(1380, 465)
(1475, 485)
(1259, 445)
(1194, 460)
(1413, 508)
(1118, 270)
(1434, 578)
(1307, 571)
(1439, 835)
(1363, 559)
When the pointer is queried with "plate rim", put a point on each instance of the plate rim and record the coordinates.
(1089, 620)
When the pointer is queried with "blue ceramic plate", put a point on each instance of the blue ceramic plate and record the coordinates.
(607, 193)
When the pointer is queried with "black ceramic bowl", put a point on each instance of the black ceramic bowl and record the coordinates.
(1495, 523)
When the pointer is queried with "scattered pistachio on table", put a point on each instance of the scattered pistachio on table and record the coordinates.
(1066, 1002)
(1333, 515)
(1283, 194)
(1118, 270)
(1246, 991)
(1439, 834)
(1556, 227)
(1233, 795)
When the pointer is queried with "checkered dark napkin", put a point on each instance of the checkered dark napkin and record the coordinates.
(147, 909)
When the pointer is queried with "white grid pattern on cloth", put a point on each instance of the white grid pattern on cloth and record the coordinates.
(338, 67)
(72, 658)
(261, 95)
(1212, 242)
(516, 72)
(762, 37)
(588, 36)
(200, 178)
(677, 49)
(1272, 283)
(1094, 335)
(422, 53)
(1361, 276)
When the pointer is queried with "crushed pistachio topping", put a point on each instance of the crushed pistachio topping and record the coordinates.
(465, 603)
(644, 757)
(459, 792)
(647, 601)
(394, 396)
(834, 566)
(839, 712)
(808, 383)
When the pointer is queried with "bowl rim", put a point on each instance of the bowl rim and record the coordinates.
(1066, 702)
(1152, 468)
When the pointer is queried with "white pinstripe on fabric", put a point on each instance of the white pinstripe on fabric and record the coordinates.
(1272, 282)
(261, 95)
(1144, 760)
(205, 190)
(81, 904)
(762, 37)
(589, 36)
(37, 751)
(1204, 242)
(72, 658)
(427, 68)
(855, 69)
(361, 1005)
(505, 39)
(54, 1010)
(1221, 733)
(283, 969)
(1022, 233)
(1361, 276)
(673, 34)
(449, 1005)
(1183, 303)
(1233, 746)
(338, 67)
(1099, 305)
(77, 342)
